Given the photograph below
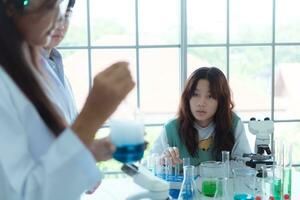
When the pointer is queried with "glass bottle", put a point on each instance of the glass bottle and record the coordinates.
(188, 189)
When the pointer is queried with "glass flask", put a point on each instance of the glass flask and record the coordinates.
(188, 189)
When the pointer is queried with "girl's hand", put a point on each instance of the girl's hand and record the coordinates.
(102, 149)
(173, 153)
(110, 87)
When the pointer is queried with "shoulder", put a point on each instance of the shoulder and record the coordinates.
(172, 121)
(236, 121)
(171, 126)
(12, 98)
(6, 84)
(55, 54)
(235, 117)
(171, 130)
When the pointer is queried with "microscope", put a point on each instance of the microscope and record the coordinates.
(263, 130)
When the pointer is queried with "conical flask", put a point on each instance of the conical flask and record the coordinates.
(188, 189)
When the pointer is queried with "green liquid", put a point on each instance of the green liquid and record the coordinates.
(277, 186)
(211, 189)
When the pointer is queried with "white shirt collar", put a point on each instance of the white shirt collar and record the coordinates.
(205, 132)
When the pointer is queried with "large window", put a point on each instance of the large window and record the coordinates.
(255, 43)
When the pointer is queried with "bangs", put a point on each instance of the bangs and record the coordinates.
(214, 89)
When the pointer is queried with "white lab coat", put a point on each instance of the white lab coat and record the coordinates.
(60, 91)
(33, 164)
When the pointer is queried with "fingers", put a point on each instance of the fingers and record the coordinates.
(110, 146)
(117, 73)
(173, 153)
(110, 88)
(112, 85)
(102, 149)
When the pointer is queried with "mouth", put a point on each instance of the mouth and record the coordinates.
(57, 36)
(201, 112)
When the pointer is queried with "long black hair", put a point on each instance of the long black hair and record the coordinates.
(219, 88)
(17, 66)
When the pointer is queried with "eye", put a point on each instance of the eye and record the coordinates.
(195, 94)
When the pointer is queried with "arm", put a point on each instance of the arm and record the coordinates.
(162, 147)
(241, 145)
(67, 168)
(161, 143)
(64, 171)
(110, 87)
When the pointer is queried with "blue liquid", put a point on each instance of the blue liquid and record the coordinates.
(174, 189)
(174, 193)
(129, 153)
(243, 197)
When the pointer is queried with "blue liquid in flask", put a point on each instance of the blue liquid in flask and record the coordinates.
(129, 153)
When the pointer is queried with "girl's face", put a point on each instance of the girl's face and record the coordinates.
(202, 105)
(36, 24)
(60, 31)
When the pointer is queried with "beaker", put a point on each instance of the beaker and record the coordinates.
(244, 183)
(213, 180)
(128, 137)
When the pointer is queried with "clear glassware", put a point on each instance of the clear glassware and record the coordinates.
(127, 134)
(186, 161)
(128, 137)
(213, 180)
(287, 170)
(225, 161)
(188, 189)
(273, 182)
(244, 183)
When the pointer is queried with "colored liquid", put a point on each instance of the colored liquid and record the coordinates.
(187, 192)
(277, 186)
(174, 193)
(243, 197)
(209, 188)
(129, 153)
(175, 185)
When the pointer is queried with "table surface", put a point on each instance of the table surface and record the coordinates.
(121, 188)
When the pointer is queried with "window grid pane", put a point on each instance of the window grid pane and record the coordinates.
(249, 48)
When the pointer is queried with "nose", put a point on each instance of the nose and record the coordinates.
(201, 101)
(59, 23)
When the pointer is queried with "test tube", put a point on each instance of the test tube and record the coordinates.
(158, 170)
(225, 161)
(287, 170)
(168, 168)
(186, 161)
(176, 170)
